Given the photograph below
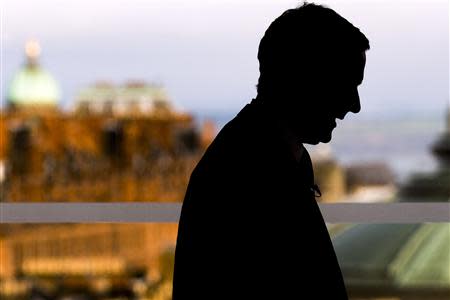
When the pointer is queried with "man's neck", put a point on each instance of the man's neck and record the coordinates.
(285, 132)
(278, 110)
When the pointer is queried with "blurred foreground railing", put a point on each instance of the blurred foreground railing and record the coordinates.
(169, 212)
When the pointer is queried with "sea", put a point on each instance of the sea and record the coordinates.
(401, 141)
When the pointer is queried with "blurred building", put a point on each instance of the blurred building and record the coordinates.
(329, 174)
(118, 143)
(433, 186)
(402, 261)
(395, 261)
(33, 89)
(134, 98)
(359, 182)
(370, 182)
(94, 257)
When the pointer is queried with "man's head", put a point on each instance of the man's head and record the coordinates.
(311, 62)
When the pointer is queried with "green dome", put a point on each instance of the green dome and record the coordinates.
(395, 259)
(33, 85)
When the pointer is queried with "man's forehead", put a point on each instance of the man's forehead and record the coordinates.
(340, 67)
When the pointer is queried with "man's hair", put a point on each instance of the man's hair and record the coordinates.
(303, 39)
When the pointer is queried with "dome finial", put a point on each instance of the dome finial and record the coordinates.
(32, 51)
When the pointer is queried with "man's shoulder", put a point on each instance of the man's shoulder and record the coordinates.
(239, 131)
(232, 141)
(249, 140)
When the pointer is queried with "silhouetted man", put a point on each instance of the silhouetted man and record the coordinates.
(250, 226)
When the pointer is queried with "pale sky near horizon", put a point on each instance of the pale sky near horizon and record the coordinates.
(204, 52)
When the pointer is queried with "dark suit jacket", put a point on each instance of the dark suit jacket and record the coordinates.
(250, 227)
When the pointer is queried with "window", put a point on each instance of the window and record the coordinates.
(72, 148)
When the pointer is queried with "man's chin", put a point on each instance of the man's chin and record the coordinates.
(326, 139)
(322, 139)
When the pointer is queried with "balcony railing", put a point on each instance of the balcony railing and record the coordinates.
(156, 212)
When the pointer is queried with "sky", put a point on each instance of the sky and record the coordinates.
(204, 52)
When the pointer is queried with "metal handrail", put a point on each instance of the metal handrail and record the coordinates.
(158, 212)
